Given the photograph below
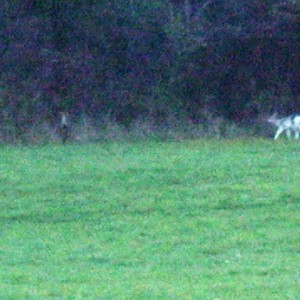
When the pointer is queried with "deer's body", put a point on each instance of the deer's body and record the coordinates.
(288, 124)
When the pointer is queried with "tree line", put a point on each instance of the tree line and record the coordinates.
(147, 59)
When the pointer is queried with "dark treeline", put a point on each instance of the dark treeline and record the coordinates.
(135, 59)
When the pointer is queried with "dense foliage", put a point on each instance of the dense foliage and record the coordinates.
(136, 59)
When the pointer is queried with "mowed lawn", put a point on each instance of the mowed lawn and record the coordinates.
(151, 220)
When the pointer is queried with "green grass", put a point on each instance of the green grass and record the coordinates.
(151, 220)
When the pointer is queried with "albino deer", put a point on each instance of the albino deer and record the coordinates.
(287, 124)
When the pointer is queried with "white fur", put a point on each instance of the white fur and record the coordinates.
(287, 125)
(64, 120)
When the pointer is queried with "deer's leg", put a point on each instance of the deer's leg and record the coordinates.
(279, 131)
(65, 133)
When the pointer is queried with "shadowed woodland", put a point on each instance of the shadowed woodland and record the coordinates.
(139, 61)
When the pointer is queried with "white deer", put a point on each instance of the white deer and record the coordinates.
(287, 124)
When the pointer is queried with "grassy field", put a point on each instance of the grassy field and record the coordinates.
(151, 220)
